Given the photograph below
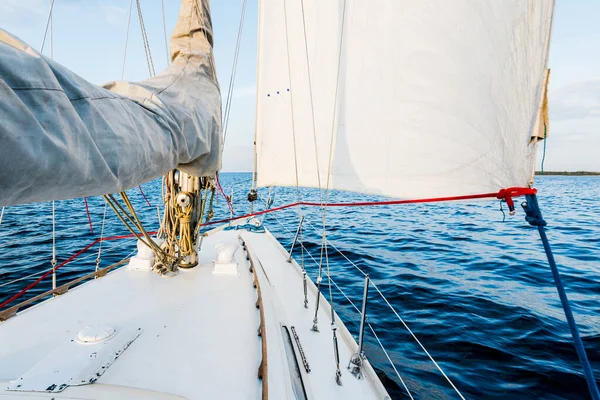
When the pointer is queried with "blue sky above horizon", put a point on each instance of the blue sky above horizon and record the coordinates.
(89, 38)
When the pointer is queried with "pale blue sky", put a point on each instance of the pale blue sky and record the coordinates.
(89, 37)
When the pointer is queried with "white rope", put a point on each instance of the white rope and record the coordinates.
(236, 54)
(48, 21)
(162, 3)
(101, 238)
(2, 215)
(126, 39)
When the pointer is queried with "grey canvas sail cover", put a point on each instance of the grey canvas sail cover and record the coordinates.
(63, 137)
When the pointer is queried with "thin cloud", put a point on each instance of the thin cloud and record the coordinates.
(114, 15)
(19, 8)
(576, 100)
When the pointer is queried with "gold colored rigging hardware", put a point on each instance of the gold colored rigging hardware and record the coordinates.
(186, 208)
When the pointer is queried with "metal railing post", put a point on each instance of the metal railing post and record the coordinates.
(355, 364)
(289, 259)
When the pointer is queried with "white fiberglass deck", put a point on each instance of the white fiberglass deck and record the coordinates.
(199, 332)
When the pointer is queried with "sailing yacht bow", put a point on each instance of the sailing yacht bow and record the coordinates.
(400, 98)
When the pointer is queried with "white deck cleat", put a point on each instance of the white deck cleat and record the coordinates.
(225, 263)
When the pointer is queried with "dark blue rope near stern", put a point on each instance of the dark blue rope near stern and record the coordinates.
(534, 217)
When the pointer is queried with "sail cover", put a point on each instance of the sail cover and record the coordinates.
(402, 98)
(62, 137)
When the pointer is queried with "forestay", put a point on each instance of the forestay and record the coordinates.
(434, 98)
(62, 137)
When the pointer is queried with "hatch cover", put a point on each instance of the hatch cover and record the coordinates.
(79, 361)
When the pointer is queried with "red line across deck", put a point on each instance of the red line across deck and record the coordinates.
(504, 194)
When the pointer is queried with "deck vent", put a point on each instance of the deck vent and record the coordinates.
(95, 334)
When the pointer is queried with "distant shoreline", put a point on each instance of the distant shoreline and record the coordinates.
(568, 173)
(564, 173)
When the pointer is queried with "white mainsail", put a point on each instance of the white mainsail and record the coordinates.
(400, 98)
(62, 137)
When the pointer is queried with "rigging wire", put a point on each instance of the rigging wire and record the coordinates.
(33, 261)
(67, 261)
(22, 278)
(53, 260)
(101, 237)
(253, 182)
(418, 341)
(353, 305)
(392, 308)
(162, 3)
(229, 98)
(333, 130)
(289, 68)
(48, 22)
(291, 93)
(126, 38)
(312, 105)
(51, 33)
(151, 69)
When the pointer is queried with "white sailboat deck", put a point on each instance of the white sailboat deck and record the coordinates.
(198, 333)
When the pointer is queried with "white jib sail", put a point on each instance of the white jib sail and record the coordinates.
(434, 98)
(62, 137)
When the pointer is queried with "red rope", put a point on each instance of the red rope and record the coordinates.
(145, 198)
(504, 194)
(87, 211)
(68, 260)
(224, 196)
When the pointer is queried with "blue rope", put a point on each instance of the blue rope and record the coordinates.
(544, 154)
(248, 227)
(534, 217)
(252, 227)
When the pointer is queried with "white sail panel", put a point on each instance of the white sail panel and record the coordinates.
(62, 137)
(434, 98)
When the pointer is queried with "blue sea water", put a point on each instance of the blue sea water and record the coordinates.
(475, 290)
